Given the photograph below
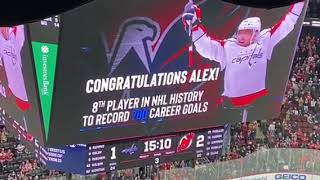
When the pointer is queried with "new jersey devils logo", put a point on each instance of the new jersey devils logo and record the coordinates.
(185, 142)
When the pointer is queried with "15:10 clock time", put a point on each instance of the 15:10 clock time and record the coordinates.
(154, 145)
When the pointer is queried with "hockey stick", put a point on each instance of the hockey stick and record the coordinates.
(190, 40)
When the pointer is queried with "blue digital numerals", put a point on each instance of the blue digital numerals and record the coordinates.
(141, 115)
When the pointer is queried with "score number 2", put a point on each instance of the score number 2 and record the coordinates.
(200, 141)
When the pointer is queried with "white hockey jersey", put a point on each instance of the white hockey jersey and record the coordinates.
(245, 67)
(10, 56)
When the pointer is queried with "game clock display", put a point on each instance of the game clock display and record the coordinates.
(155, 150)
(155, 145)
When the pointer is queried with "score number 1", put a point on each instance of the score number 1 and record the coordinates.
(113, 153)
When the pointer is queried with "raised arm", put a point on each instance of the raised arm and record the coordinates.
(206, 46)
(286, 24)
(19, 35)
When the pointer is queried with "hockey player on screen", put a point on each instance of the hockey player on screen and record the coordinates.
(11, 42)
(244, 57)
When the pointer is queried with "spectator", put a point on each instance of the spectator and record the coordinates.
(3, 136)
(272, 128)
(20, 148)
(2, 156)
(9, 156)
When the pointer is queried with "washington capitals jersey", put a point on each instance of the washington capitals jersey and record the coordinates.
(10, 50)
(245, 67)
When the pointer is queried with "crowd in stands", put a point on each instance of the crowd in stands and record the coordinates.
(299, 122)
(16, 162)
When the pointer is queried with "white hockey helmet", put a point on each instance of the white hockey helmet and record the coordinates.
(253, 23)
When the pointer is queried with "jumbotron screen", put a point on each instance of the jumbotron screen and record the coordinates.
(119, 70)
(19, 96)
(125, 68)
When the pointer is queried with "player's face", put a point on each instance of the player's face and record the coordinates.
(244, 37)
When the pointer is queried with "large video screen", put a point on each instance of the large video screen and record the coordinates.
(127, 68)
(18, 95)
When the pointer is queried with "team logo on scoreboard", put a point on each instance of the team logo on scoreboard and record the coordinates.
(185, 142)
(130, 150)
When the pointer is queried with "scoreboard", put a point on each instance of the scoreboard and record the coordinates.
(155, 150)
(103, 157)
(106, 157)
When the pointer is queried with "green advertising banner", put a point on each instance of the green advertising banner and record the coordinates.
(45, 55)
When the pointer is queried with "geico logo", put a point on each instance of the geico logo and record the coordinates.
(291, 176)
